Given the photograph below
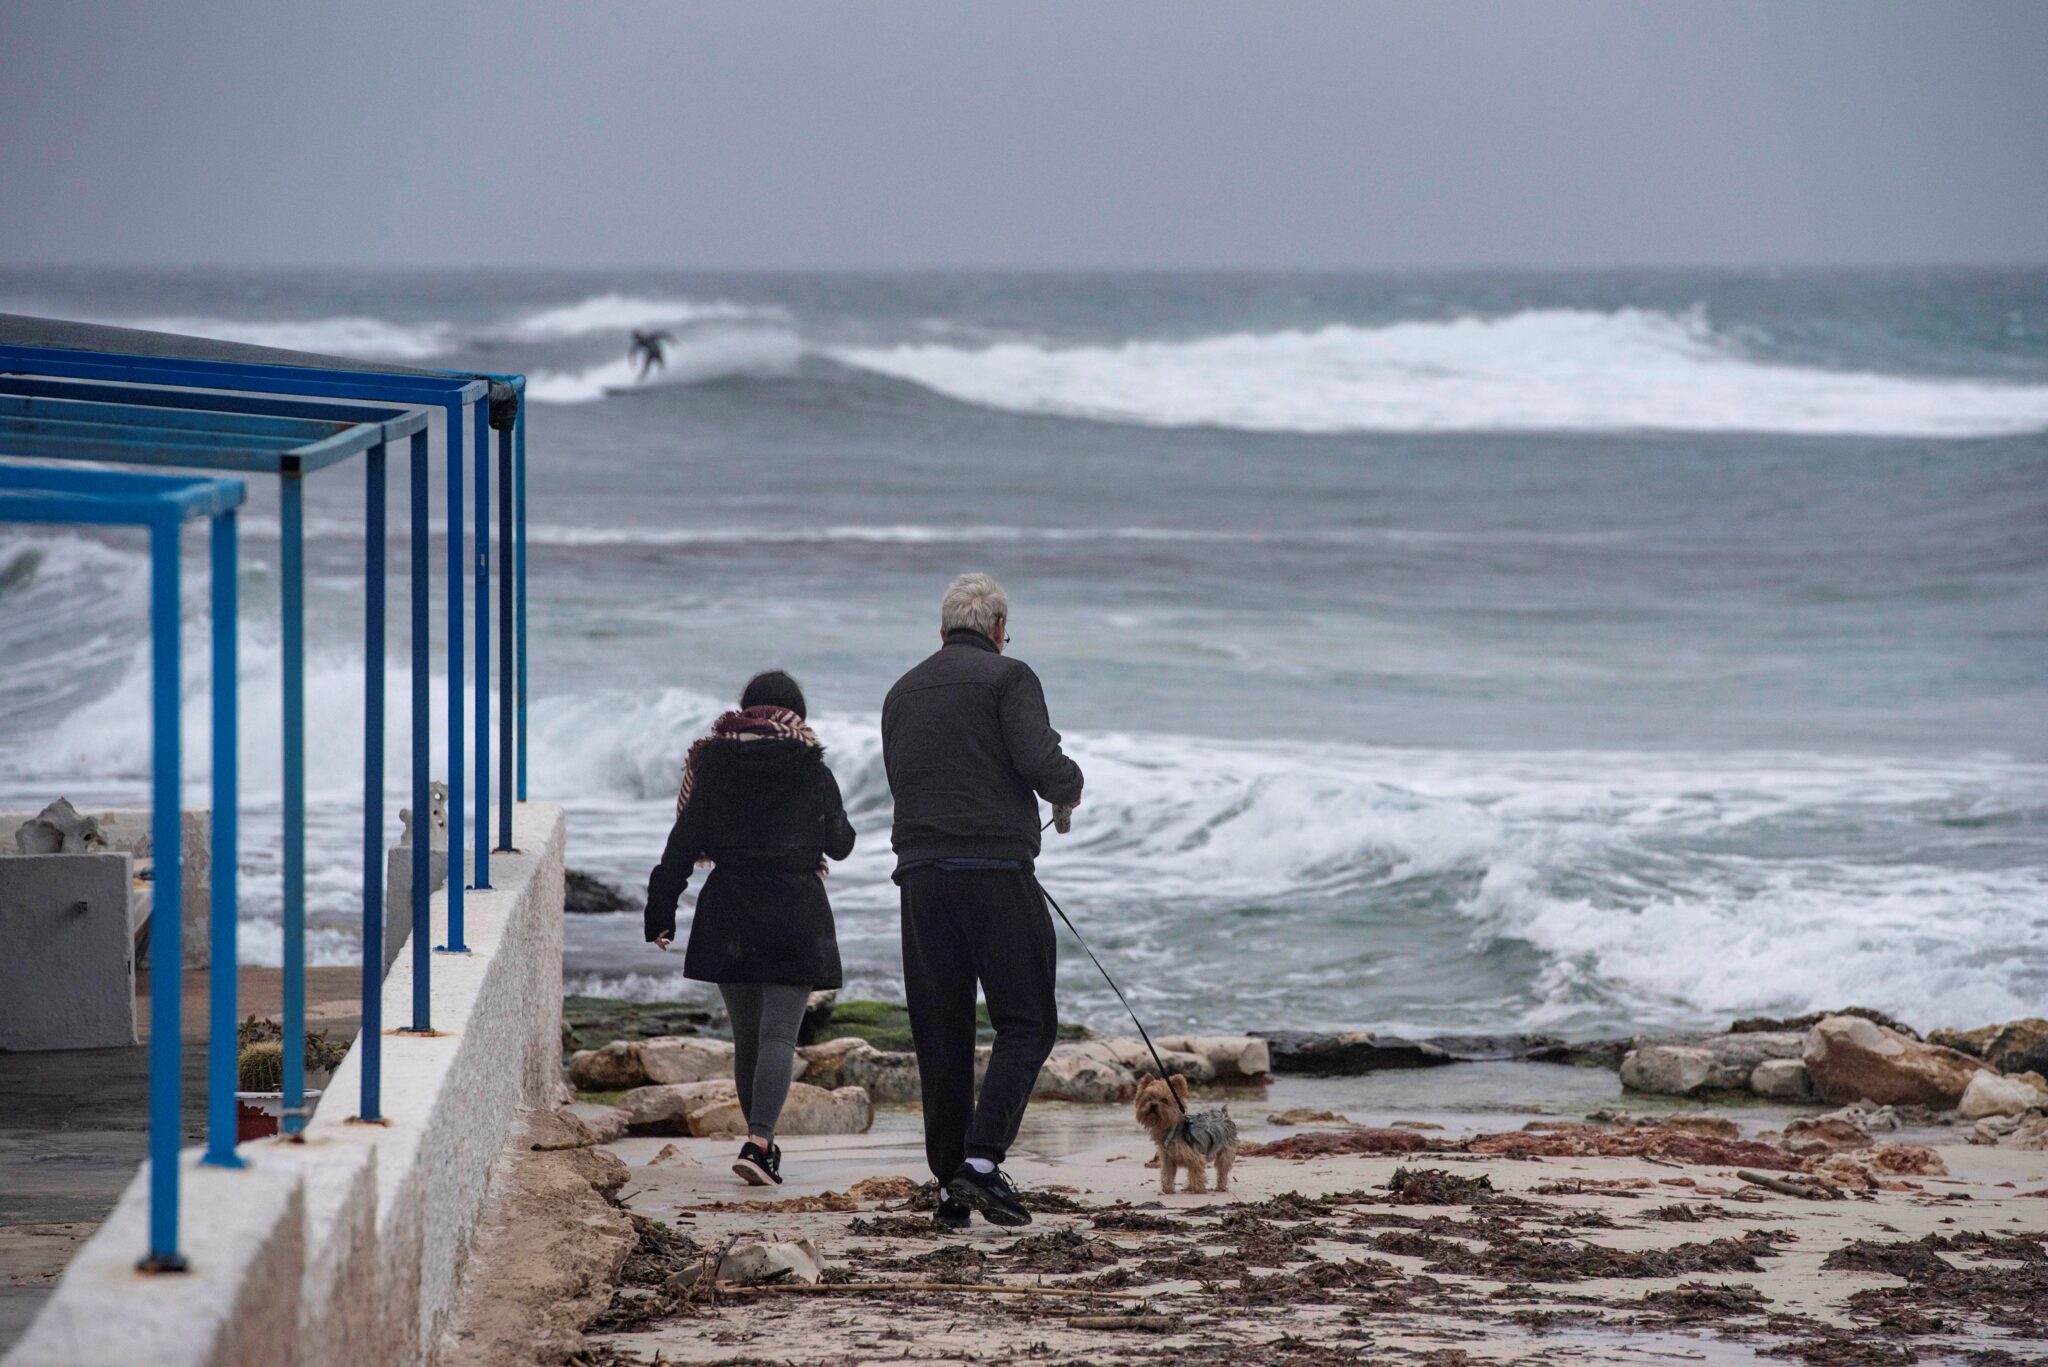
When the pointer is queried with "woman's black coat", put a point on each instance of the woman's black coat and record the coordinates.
(766, 812)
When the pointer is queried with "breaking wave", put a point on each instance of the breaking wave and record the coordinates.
(712, 353)
(1538, 370)
(616, 314)
(1563, 891)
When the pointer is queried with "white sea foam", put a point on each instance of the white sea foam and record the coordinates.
(1623, 875)
(259, 943)
(1538, 370)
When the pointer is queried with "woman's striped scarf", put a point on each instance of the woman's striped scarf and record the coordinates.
(753, 723)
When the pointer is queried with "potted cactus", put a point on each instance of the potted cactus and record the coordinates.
(259, 1089)
(259, 1075)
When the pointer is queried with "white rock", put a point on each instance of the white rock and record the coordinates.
(809, 1110)
(613, 1068)
(1235, 1058)
(1989, 1094)
(1703, 1063)
(1993, 1128)
(606, 1122)
(685, 1058)
(818, 1062)
(2031, 1133)
(1784, 1079)
(1667, 1070)
(1083, 1072)
(1135, 1057)
(666, 1108)
(889, 1078)
(752, 1262)
(1852, 1059)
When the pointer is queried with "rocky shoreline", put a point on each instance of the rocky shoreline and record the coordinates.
(665, 1067)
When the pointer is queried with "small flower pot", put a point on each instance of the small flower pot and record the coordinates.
(258, 1114)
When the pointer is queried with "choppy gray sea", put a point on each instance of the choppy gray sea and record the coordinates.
(1445, 652)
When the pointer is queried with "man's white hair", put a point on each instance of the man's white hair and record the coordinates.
(974, 601)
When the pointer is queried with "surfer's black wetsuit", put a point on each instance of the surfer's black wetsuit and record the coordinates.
(646, 349)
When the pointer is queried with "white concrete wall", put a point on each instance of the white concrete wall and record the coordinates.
(355, 1237)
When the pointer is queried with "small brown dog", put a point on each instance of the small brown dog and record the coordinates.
(1186, 1142)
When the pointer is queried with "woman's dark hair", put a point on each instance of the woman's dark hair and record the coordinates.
(773, 689)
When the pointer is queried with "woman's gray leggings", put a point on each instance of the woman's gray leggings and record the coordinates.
(765, 1017)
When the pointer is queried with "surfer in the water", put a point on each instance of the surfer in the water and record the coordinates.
(647, 350)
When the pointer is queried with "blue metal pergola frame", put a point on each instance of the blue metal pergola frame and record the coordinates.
(61, 419)
(163, 504)
(454, 394)
(160, 427)
(78, 392)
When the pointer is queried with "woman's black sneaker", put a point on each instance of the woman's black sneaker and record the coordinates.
(952, 1214)
(760, 1167)
(990, 1193)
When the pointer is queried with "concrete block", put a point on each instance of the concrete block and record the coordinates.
(126, 831)
(398, 895)
(67, 976)
(398, 872)
(237, 1305)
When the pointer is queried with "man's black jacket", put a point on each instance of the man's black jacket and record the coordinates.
(966, 743)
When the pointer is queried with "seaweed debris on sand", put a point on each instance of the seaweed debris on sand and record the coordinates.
(1347, 1249)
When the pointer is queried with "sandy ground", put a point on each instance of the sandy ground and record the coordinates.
(1255, 1276)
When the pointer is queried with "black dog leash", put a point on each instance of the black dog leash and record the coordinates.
(1128, 1008)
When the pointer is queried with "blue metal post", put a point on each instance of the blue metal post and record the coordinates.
(221, 1069)
(519, 574)
(505, 640)
(373, 785)
(456, 753)
(167, 913)
(291, 510)
(483, 650)
(422, 737)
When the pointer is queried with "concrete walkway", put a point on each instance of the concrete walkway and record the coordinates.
(74, 1125)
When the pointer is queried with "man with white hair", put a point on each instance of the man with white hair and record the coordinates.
(969, 752)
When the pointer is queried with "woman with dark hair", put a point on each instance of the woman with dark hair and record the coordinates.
(759, 804)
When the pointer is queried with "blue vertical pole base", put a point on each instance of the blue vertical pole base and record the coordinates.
(230, 1159)
(164, 1262)
(449, 949)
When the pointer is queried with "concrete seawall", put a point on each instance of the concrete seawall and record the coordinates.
(347, 1247)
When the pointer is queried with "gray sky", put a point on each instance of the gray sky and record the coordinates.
(1008, 133)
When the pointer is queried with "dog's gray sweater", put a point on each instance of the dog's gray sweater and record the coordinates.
(1208, 1133)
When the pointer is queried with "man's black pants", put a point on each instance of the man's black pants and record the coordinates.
(962, 927)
